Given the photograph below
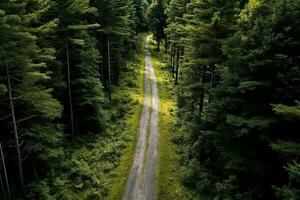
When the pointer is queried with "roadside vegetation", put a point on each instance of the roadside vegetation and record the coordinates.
(133, 87)
(169, 168)
(100, 168)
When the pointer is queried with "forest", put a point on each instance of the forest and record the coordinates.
(150, 99)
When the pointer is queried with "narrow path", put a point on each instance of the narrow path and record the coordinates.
(141, 183)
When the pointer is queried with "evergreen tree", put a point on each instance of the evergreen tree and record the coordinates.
(248, 134)
(116, 21)
(32, 109)
(140, 7)
(157, 20)
(176, 33)
(76, 75)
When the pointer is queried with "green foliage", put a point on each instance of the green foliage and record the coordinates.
(141, 17)
(3, 89)
(117, 20)
(287, 111)
(54, 54)
(239, 97)
(157, 20)
(87, 170)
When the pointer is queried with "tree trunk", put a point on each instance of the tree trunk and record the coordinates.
(177, 66)
(5, 172)
(15, 131)
(109, 70)
(158, 44)
(70, 92)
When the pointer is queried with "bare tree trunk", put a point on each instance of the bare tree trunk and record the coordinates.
(5, 172)
(109, 70)
(15, 131)
(177, 66)
(70, 92)
(158, 44)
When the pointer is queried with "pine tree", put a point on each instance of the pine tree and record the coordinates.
(77, 59)
(157, 20)
(32, 107)
(176, 33)
(208, 24)
(116, 21)
(248, 135)
(140, 7)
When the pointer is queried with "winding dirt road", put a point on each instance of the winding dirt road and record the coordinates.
(141, 183)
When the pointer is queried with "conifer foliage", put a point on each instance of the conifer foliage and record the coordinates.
(53, 83)
(238, 96)
(235, 65)
(157, 20)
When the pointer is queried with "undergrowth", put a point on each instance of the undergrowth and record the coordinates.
(94, 168)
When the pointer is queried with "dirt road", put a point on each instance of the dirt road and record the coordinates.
(141, 183)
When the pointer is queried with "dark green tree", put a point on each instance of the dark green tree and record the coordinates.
(157, 20)
(32, 109)
(76, 78)
(246, 143)
(115, 18)
(176, 33)
(141, 7)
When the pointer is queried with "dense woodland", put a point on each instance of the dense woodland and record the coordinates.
(235, 66)
(59, 62)
(238, 96)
